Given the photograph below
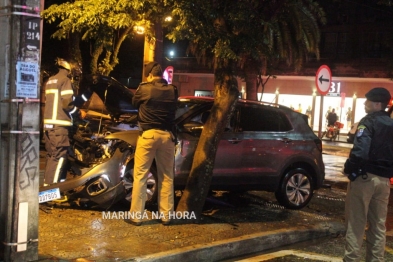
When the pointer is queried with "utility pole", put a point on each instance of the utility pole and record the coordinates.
(20, 48)
(153, 49)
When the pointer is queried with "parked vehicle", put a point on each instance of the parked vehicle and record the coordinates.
(264, 147)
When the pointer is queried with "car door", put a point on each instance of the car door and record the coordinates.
(228, 154)
(265, 132)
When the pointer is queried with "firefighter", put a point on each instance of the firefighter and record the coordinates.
(58, 118)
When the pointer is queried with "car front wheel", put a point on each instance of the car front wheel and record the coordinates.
(151, 190)
(296, 189)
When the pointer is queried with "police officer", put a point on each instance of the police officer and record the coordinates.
(369, 167)
(156, 101)
(58, 115)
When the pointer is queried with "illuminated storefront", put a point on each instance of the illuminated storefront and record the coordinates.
(300, 92)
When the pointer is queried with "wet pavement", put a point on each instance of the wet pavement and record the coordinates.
(253, 219)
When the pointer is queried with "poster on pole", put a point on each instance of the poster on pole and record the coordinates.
(27, 79)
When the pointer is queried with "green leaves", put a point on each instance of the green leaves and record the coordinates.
(241, 30)
(106, 22)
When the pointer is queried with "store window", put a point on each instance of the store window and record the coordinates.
(267, 97)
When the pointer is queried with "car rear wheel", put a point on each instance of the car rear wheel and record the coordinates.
(151, 190)
(296, 189)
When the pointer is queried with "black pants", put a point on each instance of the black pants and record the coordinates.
(56, 145)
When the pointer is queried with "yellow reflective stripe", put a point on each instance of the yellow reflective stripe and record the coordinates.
(57, 122)
(59, 165)
(55, 102)
(51, 91)
(67, 92)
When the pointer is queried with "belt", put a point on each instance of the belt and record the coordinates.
(165, 130)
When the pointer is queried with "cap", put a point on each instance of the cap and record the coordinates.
(149, 66)
(378, 94)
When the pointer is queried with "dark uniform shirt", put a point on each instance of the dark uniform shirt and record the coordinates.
(373, 146)
(156, 102)
(332, 118)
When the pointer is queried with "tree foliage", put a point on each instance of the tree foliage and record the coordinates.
(105, 24)
(258, 31)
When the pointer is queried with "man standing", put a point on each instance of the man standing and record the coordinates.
(156, 102)
(59, 110)
(349, 118)
(332, 117)
(369, 167)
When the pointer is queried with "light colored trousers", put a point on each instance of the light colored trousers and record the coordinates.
(154, 144)
(366, 206)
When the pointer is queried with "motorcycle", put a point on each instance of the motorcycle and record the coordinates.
(333, 131)
(100, 161)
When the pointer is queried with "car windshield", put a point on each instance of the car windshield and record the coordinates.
(184, 106)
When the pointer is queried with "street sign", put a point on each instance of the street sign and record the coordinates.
(323, 79)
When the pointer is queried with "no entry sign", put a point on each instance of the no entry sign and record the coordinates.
(323, 79)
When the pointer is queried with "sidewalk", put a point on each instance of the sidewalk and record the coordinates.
(232, 225)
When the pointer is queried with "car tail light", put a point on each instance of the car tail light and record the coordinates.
(318, 142)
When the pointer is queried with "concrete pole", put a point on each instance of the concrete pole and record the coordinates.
(20, 44)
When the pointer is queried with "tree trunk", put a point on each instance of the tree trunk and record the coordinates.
(74, 48)
(251, 87)
(97, 51)
(198, 183)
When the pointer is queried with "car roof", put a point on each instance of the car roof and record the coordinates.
(242, 101)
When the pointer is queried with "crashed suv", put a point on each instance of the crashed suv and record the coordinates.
(264, 147)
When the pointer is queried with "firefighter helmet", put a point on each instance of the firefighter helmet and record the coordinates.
(60, 62)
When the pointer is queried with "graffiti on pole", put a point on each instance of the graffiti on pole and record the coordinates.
(27, 170)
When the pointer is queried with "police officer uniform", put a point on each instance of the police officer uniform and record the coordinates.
(156, 102)
(57, 119)
(369, 167)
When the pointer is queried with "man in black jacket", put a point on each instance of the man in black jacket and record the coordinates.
(156, 102)
(369, 167)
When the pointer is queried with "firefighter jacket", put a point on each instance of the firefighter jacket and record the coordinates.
(156, 102)
(373, 146)
(58, 100)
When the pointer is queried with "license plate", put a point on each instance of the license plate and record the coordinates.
(49, 195)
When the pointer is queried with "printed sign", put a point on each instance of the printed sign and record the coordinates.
(27, 79)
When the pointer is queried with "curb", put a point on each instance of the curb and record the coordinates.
(244, 245)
